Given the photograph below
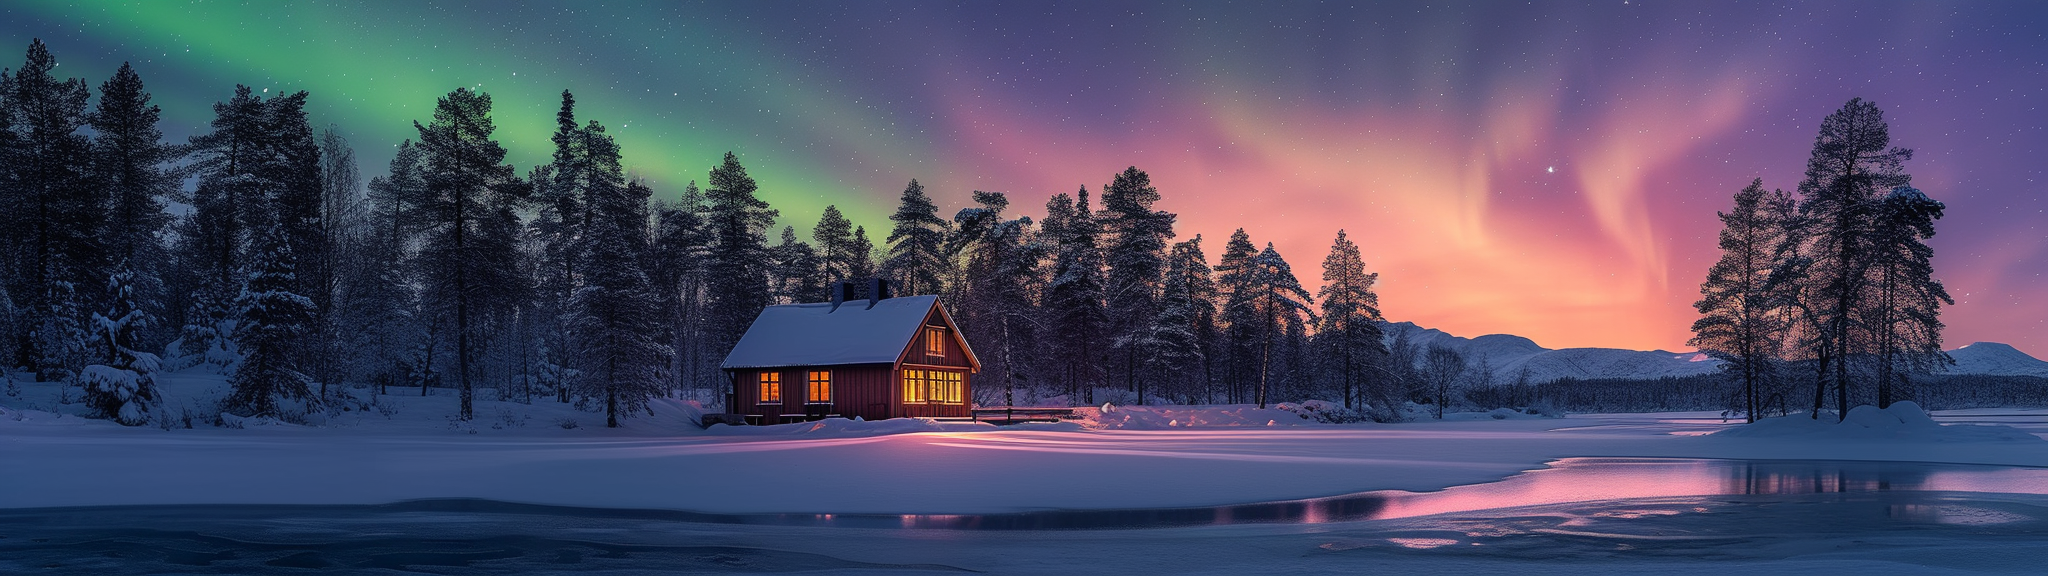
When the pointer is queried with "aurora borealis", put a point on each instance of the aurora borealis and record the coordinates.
(1550, 171)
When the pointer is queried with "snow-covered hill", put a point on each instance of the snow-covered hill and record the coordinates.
(1996, 359)
(1508, 355)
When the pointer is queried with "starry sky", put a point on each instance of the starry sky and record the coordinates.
(1549, 169)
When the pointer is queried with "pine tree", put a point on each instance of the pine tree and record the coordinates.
(1279, 299)
(1174, 342)
(1905, 310)
(677, 274)
(468, 187)
(123, 386)
(620, 348)
(1236, 278)
(1741, 310)
(843, 257)
(861, 262)
(1136, 261)
(737, 284)
(994, 308)
(1351, 320)
(132, 163)
(50, 214)
(270, 321)
(915, 261)
(1852, 163)
(799, 272)
(1074, 295)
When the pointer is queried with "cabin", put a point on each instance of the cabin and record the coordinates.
(876, 357)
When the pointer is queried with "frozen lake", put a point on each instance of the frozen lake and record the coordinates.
(1576, 515)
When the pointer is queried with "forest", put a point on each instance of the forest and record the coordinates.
(257, 249)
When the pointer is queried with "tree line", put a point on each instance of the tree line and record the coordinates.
(257, 249)
(1831, 291)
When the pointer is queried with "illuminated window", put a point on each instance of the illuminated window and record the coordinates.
(947, 387)
(771, 388)
(915, 387)
(934, 341)
(820, 391)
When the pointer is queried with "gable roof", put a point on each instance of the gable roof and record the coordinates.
(817, 335)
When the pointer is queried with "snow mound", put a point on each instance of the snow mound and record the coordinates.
(845, 428)
(1903, 421)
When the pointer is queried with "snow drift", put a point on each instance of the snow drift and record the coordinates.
(1903, 421)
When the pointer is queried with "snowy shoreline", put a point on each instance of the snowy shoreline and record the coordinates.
(889, 467)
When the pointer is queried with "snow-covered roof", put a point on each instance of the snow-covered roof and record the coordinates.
(818, 335)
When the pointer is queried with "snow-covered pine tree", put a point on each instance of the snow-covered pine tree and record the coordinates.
(1174, 341)
(132, 162)
(1350, 334)
(1073, 296)
(1852, 163)
(50, 214)
(1279, 299)
(1904, 314)
(243, 166)
(1000, 256)
(381, 321)
(467, 187)
(620, 350)
(1742, 315)
(1136, 259)
(271, 319)
(123, 386)
(677, 274)
(1240, 315)
(737, 283)
(916, 261)
(799, 274)
(59, 340)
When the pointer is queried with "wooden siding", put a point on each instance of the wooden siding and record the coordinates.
(864, 390)
(954, 356)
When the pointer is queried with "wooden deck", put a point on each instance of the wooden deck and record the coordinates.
(1016, 414)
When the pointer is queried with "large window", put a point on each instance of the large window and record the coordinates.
(915, 387)
(771, 388)
(820, 390)
(923, 386)
(935, 341)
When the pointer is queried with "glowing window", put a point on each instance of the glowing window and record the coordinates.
(934, 341)
(915, 387)
(820, 391)
(771, 388)
(947, 387)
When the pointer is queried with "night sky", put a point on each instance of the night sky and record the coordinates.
(1548, 170)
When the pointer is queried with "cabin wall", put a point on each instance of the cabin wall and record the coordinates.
(857, 390)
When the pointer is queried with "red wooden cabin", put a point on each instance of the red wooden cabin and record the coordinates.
(874, 358)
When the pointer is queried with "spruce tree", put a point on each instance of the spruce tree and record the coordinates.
(1350, 328)
(1135, 256)
(842, 256)
(1742, 311)
(1074, 295)
(468, 187)
(799, 272)
(1173, 344)
(994, 307)
(737, 284)
(677, 273)
(1279, 300)
(51, 216)
(122, 387)
(861, 262)
(270, 321)
(619, 344)
(916, 261)
(132, 162)
(1235, 278)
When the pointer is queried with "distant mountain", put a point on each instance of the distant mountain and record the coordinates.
(1995, 359)
(1509, 355)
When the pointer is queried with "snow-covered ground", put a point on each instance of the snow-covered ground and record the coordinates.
(408, 448)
